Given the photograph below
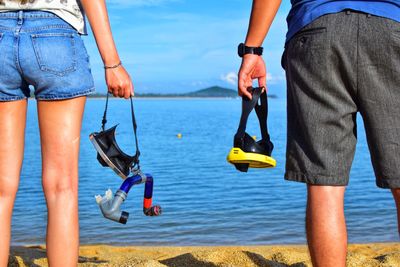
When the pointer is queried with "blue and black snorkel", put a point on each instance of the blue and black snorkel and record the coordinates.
(127, 167)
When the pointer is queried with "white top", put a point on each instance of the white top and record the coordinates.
(68, 10)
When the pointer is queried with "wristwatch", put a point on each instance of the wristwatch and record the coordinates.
(244, 50)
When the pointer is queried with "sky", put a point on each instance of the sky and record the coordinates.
(175, 46)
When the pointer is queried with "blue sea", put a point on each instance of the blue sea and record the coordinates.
(205, 200)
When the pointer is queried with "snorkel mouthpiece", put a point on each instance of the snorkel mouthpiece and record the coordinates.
(110, 206)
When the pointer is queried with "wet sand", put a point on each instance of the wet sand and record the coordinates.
(377, 254)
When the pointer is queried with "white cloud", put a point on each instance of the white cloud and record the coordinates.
(126, 3)
(230, 78)
(274, 79)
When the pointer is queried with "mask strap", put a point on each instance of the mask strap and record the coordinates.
(104, 121)
(247, 106)
(262, 114)
(261, 111)
(134, 131)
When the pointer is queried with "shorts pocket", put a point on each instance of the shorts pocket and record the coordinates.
(396, 36)
(55, 52)
(308, 48)
(393, 28)
(310, 38)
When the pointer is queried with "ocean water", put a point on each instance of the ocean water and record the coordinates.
(205, 200)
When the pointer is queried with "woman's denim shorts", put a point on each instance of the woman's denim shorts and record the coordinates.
(38, 48)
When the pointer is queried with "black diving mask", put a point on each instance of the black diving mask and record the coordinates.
(246, 151)
(109, 154)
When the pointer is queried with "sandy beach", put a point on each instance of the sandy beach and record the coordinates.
(377, 254)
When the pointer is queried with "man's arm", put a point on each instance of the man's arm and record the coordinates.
(118, 80)
(253, 66)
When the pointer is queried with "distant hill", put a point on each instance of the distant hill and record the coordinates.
(214, 91)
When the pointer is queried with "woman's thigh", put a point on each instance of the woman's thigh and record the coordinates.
(12, 131)
(60, 125)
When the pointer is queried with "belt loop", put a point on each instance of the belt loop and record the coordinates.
(20, 17)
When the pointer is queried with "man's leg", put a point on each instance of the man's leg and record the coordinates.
(320, 63)
(326, 226)
(396, 196)
(379, 93)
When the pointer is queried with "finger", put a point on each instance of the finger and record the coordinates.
(249, 83)
(121, 91)
(128, 91)
(241, 86)
(244, 83)
(265, 88)
(262, 82)
(247, 93)
(115, 91)
(249, 87)
(132, 90)
(127, 94)
(109, 90)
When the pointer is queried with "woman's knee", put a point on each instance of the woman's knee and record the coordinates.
(8, 186)
(59, 183)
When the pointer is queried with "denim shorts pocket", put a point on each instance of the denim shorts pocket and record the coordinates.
(55, 52)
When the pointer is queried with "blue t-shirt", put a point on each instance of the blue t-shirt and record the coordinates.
(304, 12)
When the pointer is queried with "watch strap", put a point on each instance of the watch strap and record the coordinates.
(244, 50)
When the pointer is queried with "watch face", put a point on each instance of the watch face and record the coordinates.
(241, 50)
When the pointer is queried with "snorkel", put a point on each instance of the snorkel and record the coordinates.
(127, 167)
(110, 206)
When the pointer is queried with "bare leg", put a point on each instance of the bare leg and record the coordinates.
(60, 126)
(12, 130)
(326, 226)
(396, 196)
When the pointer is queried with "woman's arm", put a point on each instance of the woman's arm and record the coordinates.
(117, 79)
(253, 66)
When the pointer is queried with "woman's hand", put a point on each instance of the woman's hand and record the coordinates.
(119, 82)
(253, 67)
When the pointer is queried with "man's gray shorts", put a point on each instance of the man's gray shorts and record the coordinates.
(339, 65)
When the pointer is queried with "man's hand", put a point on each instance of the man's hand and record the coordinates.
(119, 82)
(253, 67)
